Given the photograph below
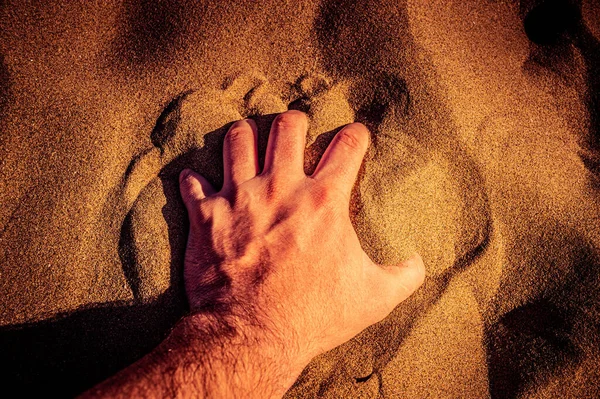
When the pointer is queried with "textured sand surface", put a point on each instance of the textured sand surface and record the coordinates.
(485, 158)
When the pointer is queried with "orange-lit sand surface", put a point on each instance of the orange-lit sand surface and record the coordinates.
(485, 158)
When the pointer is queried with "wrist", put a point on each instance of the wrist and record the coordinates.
(233, 356)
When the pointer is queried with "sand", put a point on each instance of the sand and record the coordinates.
(485, 158)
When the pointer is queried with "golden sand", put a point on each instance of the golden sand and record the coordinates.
(484, 157)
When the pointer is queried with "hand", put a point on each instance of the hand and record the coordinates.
(274, 271)
(273, 254)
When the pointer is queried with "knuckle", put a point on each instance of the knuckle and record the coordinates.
(273, 188)
(212, 206)
(236, 133)
(289, 119)
(205, 210)
(323, 196)
(351, 138)
(243, 197)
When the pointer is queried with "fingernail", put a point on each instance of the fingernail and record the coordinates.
(183, 174)
(251, 123)
(417, 262)
(304, 114)
(237, 123)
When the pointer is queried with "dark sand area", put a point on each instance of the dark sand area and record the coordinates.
(485, 158)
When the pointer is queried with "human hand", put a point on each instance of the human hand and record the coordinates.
(274, 272)
(273, 255)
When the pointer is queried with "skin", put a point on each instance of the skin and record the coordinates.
(274, 271)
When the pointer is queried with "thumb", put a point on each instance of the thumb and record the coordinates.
(392, 285)
(193, 189)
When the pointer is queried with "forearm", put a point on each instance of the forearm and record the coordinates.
(205, 359)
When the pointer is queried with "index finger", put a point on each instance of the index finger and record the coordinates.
(341, 162)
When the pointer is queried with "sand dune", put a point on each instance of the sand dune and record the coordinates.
(484, 157)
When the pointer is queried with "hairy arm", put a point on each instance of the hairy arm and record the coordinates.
(207, 358)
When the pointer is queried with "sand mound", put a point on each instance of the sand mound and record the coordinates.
(484, 158)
